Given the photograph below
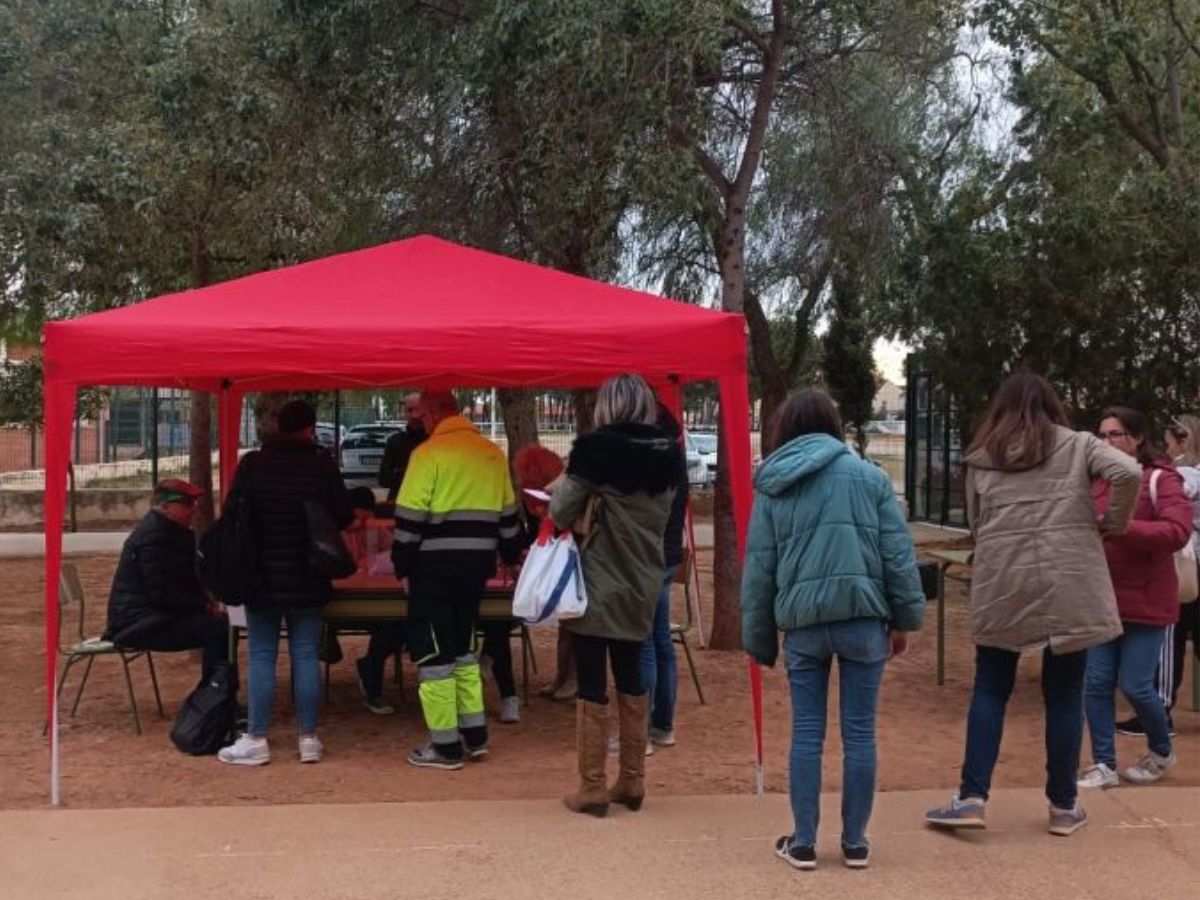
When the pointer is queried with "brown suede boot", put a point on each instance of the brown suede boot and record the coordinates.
(630, 787)
(591, 739)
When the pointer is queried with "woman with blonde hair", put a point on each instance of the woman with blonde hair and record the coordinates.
(621, 478)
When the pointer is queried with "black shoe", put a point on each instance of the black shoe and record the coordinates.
(1131, 727)
(856, 857)
(797, 856)
(428, 758)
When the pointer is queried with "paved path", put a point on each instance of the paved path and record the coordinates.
(1141, 843)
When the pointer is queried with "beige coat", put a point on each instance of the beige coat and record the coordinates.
(1040, 575)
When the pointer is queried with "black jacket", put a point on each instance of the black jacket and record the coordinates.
(396, 453)
(156, 574)
(278, 479)
(673, 537)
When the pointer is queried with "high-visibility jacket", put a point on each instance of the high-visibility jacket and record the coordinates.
(456, 507)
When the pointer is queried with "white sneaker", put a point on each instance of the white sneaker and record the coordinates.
(661, 738)
(311, 748)
(1150, 768)
(246, 751)
(1099, 776)
(510, 710)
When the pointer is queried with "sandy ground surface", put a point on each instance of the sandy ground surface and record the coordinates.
(1137, 844)
(105, 764)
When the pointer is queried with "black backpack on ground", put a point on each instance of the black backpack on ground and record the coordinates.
(206, 720)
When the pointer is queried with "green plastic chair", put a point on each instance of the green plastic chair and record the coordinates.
(70, 592)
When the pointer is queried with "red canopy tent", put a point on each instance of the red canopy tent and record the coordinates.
(422, 311)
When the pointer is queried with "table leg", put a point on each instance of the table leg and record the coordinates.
(941, 625)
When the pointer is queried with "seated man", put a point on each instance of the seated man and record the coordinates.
(157, 601)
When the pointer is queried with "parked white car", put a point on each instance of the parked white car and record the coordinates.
(696, 466)
(706, 445)
(362, 450)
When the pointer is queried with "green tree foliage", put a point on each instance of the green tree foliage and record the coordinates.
(849, 361)
(1077, 256)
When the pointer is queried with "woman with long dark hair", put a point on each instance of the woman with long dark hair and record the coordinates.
(1040, 583)
(1142, 565)
(830, 563)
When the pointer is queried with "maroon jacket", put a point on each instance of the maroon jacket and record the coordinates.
(1141, 561)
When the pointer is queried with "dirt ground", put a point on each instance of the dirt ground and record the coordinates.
(104, 763)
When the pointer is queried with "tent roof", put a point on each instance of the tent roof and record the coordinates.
(421, 310)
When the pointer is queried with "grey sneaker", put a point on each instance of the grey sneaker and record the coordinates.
(969, 812)
(1099, 776)
(246, 751)
(311, 748)
(1149, 769)
(1065, 822)
(510, 710)
(662, 738)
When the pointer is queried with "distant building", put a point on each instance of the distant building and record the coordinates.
(889, 401)
(15, 352)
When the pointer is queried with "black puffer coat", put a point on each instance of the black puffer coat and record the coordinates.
(278, 479)
(673, 536)
(156, 574)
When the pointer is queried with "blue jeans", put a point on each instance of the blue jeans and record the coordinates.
(861, 647)
(304, 636)
(1062, 691)
(1130, 661)
(660, 676)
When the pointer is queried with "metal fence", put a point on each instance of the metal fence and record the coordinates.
(143, 434)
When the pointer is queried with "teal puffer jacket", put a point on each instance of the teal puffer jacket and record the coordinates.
(827, 543)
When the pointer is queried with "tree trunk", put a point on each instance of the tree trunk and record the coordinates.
(520, 421)
(732, 257)
(200, 438)
(727, 563)
(774, 392)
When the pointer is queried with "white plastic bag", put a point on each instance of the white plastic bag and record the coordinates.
(550, 587)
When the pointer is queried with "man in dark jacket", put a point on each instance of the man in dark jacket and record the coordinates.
(279, 481)
(399, 448)
(157, 601)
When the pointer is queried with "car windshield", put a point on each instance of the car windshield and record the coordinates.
(369, 435)
(705, 443)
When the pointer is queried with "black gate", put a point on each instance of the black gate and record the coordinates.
(933, 472)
